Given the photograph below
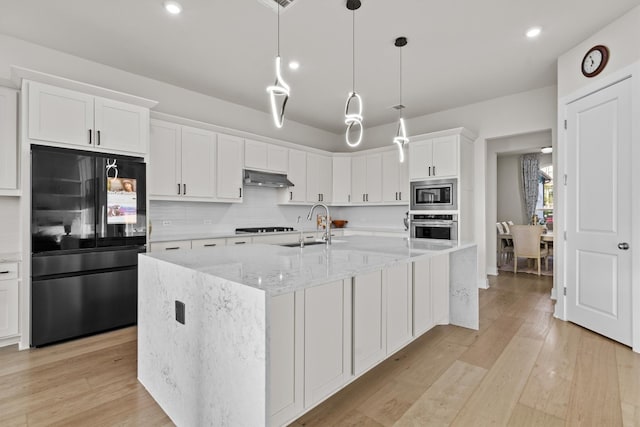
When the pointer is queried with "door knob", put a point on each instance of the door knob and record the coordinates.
(623, 246)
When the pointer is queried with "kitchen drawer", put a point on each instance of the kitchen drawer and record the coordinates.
(275, 239)
(238, 240)
(8, 270)
(170, 246)
(207, 243)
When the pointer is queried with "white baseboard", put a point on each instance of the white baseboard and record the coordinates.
(483, 283)
(4, 342)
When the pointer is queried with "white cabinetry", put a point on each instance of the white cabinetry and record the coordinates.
(286, 356)
(229, 161)
(395, 179)
(297, 174)
(182, 161)
(63, 116)
(430, 293)
(399, 298)
(263, 156)
(435, 157)
(341, 180)
(8, 140)
(8, 300)
(366, 178)
(327, 340)
(319, 178)
(369, 325)
(208, 243)
(174, 245)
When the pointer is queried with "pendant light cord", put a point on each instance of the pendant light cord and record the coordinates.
(401, 82)
(353, 48)
(278, 27)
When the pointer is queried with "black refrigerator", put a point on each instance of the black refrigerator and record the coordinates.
(88, 224)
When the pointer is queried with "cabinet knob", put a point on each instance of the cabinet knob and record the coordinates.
(623, 246)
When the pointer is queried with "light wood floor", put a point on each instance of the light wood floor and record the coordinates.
(523, 368)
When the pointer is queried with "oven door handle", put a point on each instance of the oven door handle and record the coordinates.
(433, 224)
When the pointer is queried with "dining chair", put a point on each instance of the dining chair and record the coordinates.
(526, 244)
(506, 245)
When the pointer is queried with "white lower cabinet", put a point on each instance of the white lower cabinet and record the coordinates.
(430, 293)
(286, 357)
(369, 325)
(170, 246)
(399, 298)
(327, 340)
(208, 243)
(8, 299)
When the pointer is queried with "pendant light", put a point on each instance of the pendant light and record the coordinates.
(280, 88)
(401, 134)
(353, 107)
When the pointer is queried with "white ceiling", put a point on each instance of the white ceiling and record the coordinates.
(459, 51)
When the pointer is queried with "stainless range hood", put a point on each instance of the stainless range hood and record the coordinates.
(266, 179)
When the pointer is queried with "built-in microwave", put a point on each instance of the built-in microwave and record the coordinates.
(434, 194)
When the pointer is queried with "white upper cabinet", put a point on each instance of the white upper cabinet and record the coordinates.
(341, 180)
(263, 156)
(366, 178)
(433, 158)
(182, 162)
(165, 151)
(8, 140)
(198, 162)
(297, 174)
(395, 179)
(63, 116)
(229, 162)
(319, 178)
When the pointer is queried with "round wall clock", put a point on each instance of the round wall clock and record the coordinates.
(595, 60)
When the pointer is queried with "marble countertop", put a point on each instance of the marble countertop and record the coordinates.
(278, 269)
(222, 235)
(10, 257)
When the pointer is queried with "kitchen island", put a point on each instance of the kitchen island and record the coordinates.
(257, 335)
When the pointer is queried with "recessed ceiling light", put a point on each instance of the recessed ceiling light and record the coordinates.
(173, 7)
(294, 65)
(534, 32)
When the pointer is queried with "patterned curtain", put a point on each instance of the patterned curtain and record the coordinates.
(530, 176)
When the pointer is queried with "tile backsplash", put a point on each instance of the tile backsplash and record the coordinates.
(259, 208)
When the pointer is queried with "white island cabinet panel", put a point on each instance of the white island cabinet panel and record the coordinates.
(399, 297)
(369, 326)
(286, 356)
(440, 288)
(229, 171)
(422, 311)
(327, 344)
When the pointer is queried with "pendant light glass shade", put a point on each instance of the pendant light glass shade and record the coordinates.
(353, 107)
(280, 89)
(401, 134)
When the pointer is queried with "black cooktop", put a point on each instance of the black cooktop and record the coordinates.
(262, 229)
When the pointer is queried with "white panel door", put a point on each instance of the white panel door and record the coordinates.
(198, 162)
(277, 158)
(390, 176)
(120, 126)
(8, 307)
(399, 306)
(286, 352)
(327, 340)
(422, 307)
(369, 325)
(297, 174)
(325, 178)
(9, 145)
(255, 154)
(358, 179)
(445, 156)
(374, 178)
(420, 159)
(313, 178)
(165, 159)
(60, 115)
(599, 212)
(341, 180)
(229, 161)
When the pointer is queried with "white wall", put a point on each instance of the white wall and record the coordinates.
(622, 37)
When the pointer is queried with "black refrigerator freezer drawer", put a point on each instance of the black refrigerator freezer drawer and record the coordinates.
(74, 306)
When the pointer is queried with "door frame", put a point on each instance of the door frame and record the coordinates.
(631, 72)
